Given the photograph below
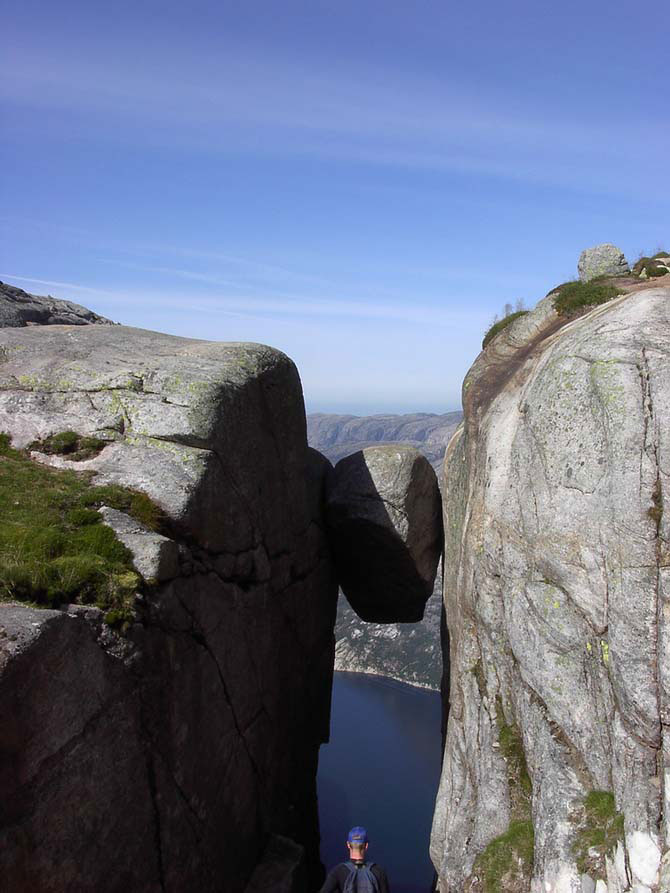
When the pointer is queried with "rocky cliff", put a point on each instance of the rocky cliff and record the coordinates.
(18, 308)
(160, 717)
(556, 773)
(170, 757)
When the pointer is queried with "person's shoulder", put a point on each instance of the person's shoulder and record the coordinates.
(377, 869)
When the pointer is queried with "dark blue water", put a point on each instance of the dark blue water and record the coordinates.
(381, 770)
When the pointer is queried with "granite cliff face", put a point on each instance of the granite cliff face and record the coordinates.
(173, 757)
(556, 773)
(179, 751)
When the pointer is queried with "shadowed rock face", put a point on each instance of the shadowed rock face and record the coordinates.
(19, 308)
(556, 595)
(180, 756)
(385, 529)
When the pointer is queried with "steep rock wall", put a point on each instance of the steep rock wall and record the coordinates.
(555, 774)
(174, 757)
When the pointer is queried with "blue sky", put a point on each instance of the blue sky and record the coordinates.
(360, 184)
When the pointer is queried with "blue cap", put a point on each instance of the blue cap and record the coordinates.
(358, 835)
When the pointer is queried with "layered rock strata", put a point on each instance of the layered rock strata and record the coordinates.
(556, 773)
(182, 755)
(384, 523)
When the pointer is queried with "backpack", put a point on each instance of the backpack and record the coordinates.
(360, 880)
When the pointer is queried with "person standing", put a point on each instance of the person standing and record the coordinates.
(357, 875)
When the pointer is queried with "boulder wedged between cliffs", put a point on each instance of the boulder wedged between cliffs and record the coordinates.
(385, 528)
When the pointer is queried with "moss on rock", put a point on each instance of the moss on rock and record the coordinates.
(506, 864)
(76, 447)
(599, 828)
(54, 548)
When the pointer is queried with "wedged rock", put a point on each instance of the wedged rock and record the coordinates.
(166, 758)
(556, 596)
(19, 308)
(384, 522)
(602, 260)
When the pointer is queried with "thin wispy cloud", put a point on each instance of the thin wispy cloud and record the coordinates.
(216, 303)
(274, 105)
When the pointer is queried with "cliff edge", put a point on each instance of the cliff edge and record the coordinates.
(180, 751)
(557, 593)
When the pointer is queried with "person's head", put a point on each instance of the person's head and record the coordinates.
(357, 843)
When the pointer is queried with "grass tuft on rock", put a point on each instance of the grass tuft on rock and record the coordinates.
(76, 447)
(132, 502)
(506, 865)
(572, 297)
(54, 548)
(599, 828)
(497, 327)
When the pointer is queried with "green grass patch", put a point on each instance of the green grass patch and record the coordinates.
(76, 447)
(54, 548)
(599, 828)
(497, 327)
(572, 297)
(506, 865)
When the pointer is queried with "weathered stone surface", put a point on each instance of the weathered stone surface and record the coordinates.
(165, 760)
(556, 593)
(602, 260)
(385, 528)
(155, 557)
(19, 308)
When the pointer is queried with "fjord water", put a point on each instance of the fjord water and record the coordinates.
(381, 770)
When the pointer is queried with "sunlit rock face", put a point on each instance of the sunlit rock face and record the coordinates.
(384, 522)
(557, 596)
(181, 756)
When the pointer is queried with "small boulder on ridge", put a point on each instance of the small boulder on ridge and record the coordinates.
(385, 528)
(602, 260)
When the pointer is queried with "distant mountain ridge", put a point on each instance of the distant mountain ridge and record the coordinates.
(337, 436)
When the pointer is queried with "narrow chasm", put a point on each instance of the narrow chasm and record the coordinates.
(381, 766)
